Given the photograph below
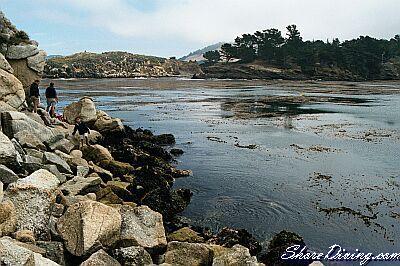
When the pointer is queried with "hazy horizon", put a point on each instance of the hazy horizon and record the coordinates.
(177, 27)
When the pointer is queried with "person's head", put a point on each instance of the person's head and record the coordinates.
(51, 84)
(78, 120)
(37, 81)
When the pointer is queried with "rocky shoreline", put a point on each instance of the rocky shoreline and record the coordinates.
(109, 203)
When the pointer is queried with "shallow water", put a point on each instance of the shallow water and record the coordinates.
(278, 182)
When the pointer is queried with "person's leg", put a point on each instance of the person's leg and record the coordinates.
(48, 105)
(35, 104)
(87, 140)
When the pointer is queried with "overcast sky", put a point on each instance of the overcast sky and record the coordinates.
(176, 27)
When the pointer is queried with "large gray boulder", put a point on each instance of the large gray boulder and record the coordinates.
(29, 140)
(87, 224)
(33, 197)
(100, 258)
(7, 176)
(79, 185)
(105, 123)
(8, 154)
(14, 122)
(142, 226)
(37, 62)
(182, 254)
(12, 93)
(16, 52)
(52, 158)
(13, 252)
(134, 255)
(237, 255)
(84, 108)
(41, 179)
(5, 65)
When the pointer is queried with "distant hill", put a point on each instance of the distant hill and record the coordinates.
(198, 55)
(117, 65)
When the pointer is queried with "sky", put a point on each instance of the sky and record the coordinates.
(176, 27)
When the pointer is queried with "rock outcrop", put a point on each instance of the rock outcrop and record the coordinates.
(117, 65)
(142, 227)
(12, 94)
(84, 108)
(89, 223)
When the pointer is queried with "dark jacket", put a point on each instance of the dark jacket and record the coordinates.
(34, 90)
(51, 92)
(81, 128)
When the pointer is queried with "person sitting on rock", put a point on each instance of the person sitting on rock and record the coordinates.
(52, 99)
(83, 131)
(49, 121)
(34, 95)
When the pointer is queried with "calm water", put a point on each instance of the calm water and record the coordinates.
(280, 183)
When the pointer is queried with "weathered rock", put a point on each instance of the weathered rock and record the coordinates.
(67, 201)
(82, 171)
(185, 234)
(89, 223)
(35, 153)
(16, 253)
(54, 170)
(142, 226)
(21, 51)
(237, 255)
(84, 108)
(1, 191)
(118, 169)
(104, 174)
(32, 198)
(52, 158)
(7, 176)
(96, 153)
(53, 251)
(76, 153)
(42, 179)
(100, 258)
(8, 218)
(31, 164)
(180, 253)
(4, 65)
(8, 154)
(25, 236)
(120, 189)
(14, 122)
(28, 140)
(63, 145)
(133, 256)
(24, 74)
(105, 123)
(107, 196)
(72, 161)
(37, 62)
(229, 237)
(81, 185)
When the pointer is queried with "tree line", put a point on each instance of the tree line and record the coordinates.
(363, 56)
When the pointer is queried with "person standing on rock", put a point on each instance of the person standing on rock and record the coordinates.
(52, 99)
(34, 95)
(83, 131)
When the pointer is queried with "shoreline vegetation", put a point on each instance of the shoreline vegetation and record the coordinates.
(268, 54)
(109, 203)
(264, 55)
